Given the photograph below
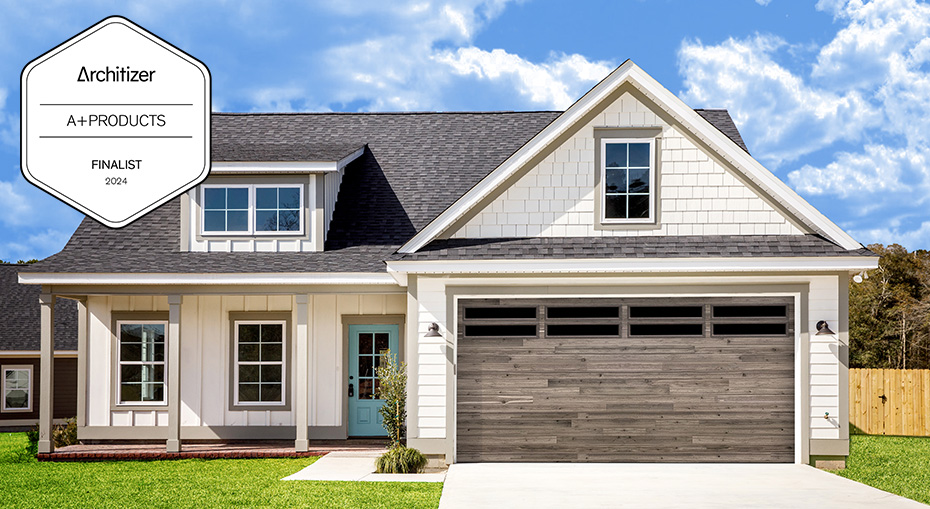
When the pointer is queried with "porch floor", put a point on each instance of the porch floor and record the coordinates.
(224, 450)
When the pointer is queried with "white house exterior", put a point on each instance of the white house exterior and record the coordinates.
(621, 281)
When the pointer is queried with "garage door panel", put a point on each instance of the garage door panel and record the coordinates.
(622, 398)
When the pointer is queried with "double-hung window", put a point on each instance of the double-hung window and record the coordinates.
(141, 362)
(252, 209)
(628, 181)
(260, 352)
(17, 388)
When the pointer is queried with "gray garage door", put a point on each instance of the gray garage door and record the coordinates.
(621, 380)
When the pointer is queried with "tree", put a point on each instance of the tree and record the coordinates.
(889, 313)
(392, 389)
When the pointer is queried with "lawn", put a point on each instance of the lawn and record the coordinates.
(188, 483)
(899, 465)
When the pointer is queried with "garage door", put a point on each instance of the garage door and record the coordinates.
(649, 380)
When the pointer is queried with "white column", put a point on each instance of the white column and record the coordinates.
(174, 374)
(302, 375)
(82, 364)
(47, 370)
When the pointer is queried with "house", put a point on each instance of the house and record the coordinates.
(620, 281)
(19, 353)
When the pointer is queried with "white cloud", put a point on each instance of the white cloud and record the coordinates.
(15, 208)
(36, 245)
(556, 83)
(911, 239)
(763, 3)
(781, 116)
(876, 171)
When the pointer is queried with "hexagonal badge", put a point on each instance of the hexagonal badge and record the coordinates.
(115, 122)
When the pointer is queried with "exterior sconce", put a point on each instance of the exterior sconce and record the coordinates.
(823, 329)
(433, 331)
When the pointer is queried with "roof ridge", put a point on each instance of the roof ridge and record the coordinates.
(371, 113)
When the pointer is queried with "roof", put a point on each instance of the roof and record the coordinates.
(19, 315)
(693, 246)
(720, 118)
(415, 165)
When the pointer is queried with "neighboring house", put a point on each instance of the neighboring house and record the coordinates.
(621, 281)
(19, 353)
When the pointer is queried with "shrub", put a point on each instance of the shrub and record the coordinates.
(401, 460)
(62, 434)
(393, 390)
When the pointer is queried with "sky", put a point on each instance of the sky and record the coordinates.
(832, 96)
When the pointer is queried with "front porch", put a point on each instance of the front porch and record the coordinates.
(213, 450)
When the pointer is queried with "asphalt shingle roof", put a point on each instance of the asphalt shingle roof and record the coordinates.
(720, 119)
(414, 166)
(697, 246)
(19, 315)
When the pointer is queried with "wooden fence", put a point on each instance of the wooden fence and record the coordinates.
(890, 401)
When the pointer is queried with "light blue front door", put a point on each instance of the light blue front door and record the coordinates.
(367, 345)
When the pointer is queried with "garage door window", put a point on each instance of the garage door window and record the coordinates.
(750, 320)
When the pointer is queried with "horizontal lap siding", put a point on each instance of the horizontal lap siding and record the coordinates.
(694, 399)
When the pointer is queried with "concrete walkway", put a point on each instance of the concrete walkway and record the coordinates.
(356, 466)
(542, 485)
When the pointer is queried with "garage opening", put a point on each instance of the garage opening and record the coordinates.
(625, 380)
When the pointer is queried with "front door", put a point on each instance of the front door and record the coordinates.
(367, 345)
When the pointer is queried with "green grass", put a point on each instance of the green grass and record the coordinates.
(188, 483)
(899, 465)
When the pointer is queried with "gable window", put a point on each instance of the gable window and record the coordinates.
(259, 370)
(141, 362)
(252, 209)
(628, 177)
(17, 388)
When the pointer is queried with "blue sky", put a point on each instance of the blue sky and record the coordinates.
(832, 96)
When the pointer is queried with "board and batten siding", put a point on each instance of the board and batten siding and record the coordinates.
(434, 395)
(205, 354)
(698, 195)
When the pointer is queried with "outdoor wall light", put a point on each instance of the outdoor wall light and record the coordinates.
(433, 331)
(823, 329)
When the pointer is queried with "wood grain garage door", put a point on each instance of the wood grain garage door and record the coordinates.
(708, 380)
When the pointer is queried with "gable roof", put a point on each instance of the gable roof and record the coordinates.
(694, 122)
(19, 315)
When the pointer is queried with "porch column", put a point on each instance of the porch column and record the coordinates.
(302, 375)
(47, 370)
(82, 364)
(174, 374)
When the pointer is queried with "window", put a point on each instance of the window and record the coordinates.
(142, 362)
(628, 176)
(17, 388)
(259, 369)
(252, 209)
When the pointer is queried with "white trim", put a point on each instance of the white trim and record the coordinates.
(637, 265)
(29, 395)
(630, 72)
(653, 185)
(240, 167)
(117, 378)
(299, 278)
(282, 363)
(35, 353)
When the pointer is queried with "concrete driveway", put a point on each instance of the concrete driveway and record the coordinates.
(652, 485)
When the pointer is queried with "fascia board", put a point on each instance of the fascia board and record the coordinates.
(236, 167)
(753, 169)
(246, 279)
(519, 158)
(638, 265)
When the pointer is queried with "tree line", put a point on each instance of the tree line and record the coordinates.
(889, 311)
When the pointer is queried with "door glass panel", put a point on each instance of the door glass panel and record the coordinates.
(364, 366)
(381, 342)
(365, 389)
(364, 343)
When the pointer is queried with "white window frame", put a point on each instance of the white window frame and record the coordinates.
(120, 363)
(17, 367)
(252, 210)
(282, 363)
(653, 185)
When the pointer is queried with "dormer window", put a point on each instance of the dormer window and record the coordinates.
(259, 209)
(628, 175)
